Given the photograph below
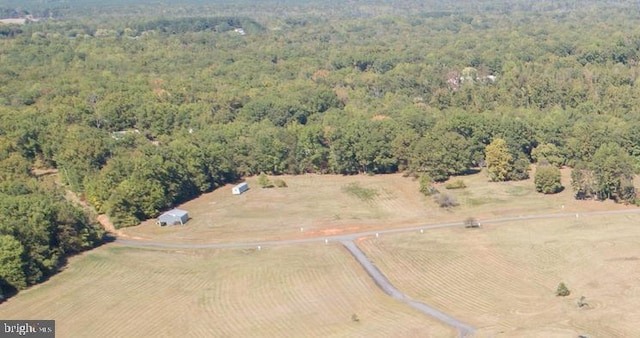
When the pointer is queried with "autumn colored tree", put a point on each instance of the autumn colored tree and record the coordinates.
(502, 165)
(499, 160)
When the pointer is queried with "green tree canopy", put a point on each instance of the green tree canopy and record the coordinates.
(547, 179)
(613, 170)
(11, 264)
(442, 155)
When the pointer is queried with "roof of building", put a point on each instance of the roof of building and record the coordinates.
(176, 213)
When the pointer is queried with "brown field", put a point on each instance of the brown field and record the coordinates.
(319, 205)
(502, 278)
(294, 291)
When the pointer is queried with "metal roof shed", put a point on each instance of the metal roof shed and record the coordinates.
(240, 188)
(173, 217)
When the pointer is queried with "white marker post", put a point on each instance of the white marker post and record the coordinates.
(577, 215)
(326, 241)
(421, 231)
(259, 248)
(301, 229)
(377, 235)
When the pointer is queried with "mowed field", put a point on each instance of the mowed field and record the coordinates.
(302, 291)
(321, 205)
(502, 278)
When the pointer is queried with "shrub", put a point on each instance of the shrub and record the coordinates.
(426, 185)
(457, 184)
(445, 201)
(264, 181)
(562, 290)
(280, 183)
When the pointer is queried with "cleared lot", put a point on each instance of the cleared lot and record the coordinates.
(502, 278)
(304, 290)
(329, 204)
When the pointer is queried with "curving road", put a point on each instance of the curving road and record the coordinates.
(464, 329)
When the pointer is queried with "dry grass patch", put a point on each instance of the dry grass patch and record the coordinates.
(503, 278)
(306, 290)
(312, 202)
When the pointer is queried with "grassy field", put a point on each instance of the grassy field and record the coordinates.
(502, 278)
(301, 291)
(332, 204)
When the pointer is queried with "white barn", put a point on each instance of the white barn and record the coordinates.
(240, 188)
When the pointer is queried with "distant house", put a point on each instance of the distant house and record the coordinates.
(18, 21)
(240, 188)
(173, 217)
(121, 134)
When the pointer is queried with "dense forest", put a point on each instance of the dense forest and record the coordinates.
(142, 106)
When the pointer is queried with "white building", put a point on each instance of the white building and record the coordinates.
(240, 188)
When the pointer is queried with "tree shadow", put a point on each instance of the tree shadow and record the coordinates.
(470, 171)
(6, 291)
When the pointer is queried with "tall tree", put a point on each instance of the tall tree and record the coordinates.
(583, 181)
(499, 160)
(613, 171)
(442, 154)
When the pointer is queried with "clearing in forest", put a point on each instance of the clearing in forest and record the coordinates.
(500, 278)
(324, 205)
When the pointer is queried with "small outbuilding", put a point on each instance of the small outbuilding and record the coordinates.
(173, 217)
(240, 188)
